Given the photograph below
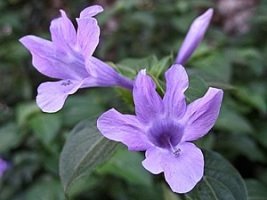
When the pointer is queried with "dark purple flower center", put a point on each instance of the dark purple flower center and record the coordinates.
(166, 134)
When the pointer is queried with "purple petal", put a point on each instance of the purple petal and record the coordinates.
(194, 36)
(52, 62)
(3, 167)
(87, 35)
(148, 103)
(201, 114)
(153, 161)
(52, 95)
(63, 32)
(182, 172)
(91, 11)
(123, 128)
(104, 75)
(176, 84)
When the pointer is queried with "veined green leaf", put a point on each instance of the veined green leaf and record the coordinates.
(221, 181)
(9, 137)
(45, 126)
(256, 190)
(84, 149)
(119, 165)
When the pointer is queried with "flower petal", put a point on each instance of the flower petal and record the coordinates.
(91, 11)
(182, 172)
(194, 36)
(201, 114)
(104, 75)
(3, 167)
(176, 84)
(87, 35)
(123, 128)
(52, 62)
(52, 95)
(153, 161)
(63, 32)
(147, 101)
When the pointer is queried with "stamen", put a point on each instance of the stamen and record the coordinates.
(175, 151)
(66, 83)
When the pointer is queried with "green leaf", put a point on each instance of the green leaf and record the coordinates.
(44, 190)
(79, 107)
(252, 98)
(24, 111)
(9, 137)
(131, 66)
(197, 88)
(261, 135)
(230, 120)
(45, 126)
(168, 194)
(256, 190)
(206, 142)
(119, 164)
(154, 66)
(263, 176)
(84, 149)
(245, 146)
(215, 68)
(160, 66)
(249, 58)
(221, 181)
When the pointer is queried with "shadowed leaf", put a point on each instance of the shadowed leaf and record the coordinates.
(84, 149)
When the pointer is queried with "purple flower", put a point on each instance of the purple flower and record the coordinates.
(69, 57)
(3, 167)
(165, 128)
(194, 36)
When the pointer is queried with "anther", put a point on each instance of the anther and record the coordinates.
(66, 83)
(177, 152)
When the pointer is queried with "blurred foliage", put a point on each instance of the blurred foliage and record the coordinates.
(132, 32)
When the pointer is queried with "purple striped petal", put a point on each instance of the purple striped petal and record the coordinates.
(176, 84)
(182, 172)
(148, 103)
(52, 95)
(194, 36)
(91, 11)
(153, 160)
(104, 75)
(87, 35)
(52, 62)
(63, 33)
(202, 114)
(123, 128)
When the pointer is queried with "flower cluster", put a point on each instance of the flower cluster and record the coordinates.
(164, 127)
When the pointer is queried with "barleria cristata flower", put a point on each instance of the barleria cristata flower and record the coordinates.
(165, 127)
(69, 57)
